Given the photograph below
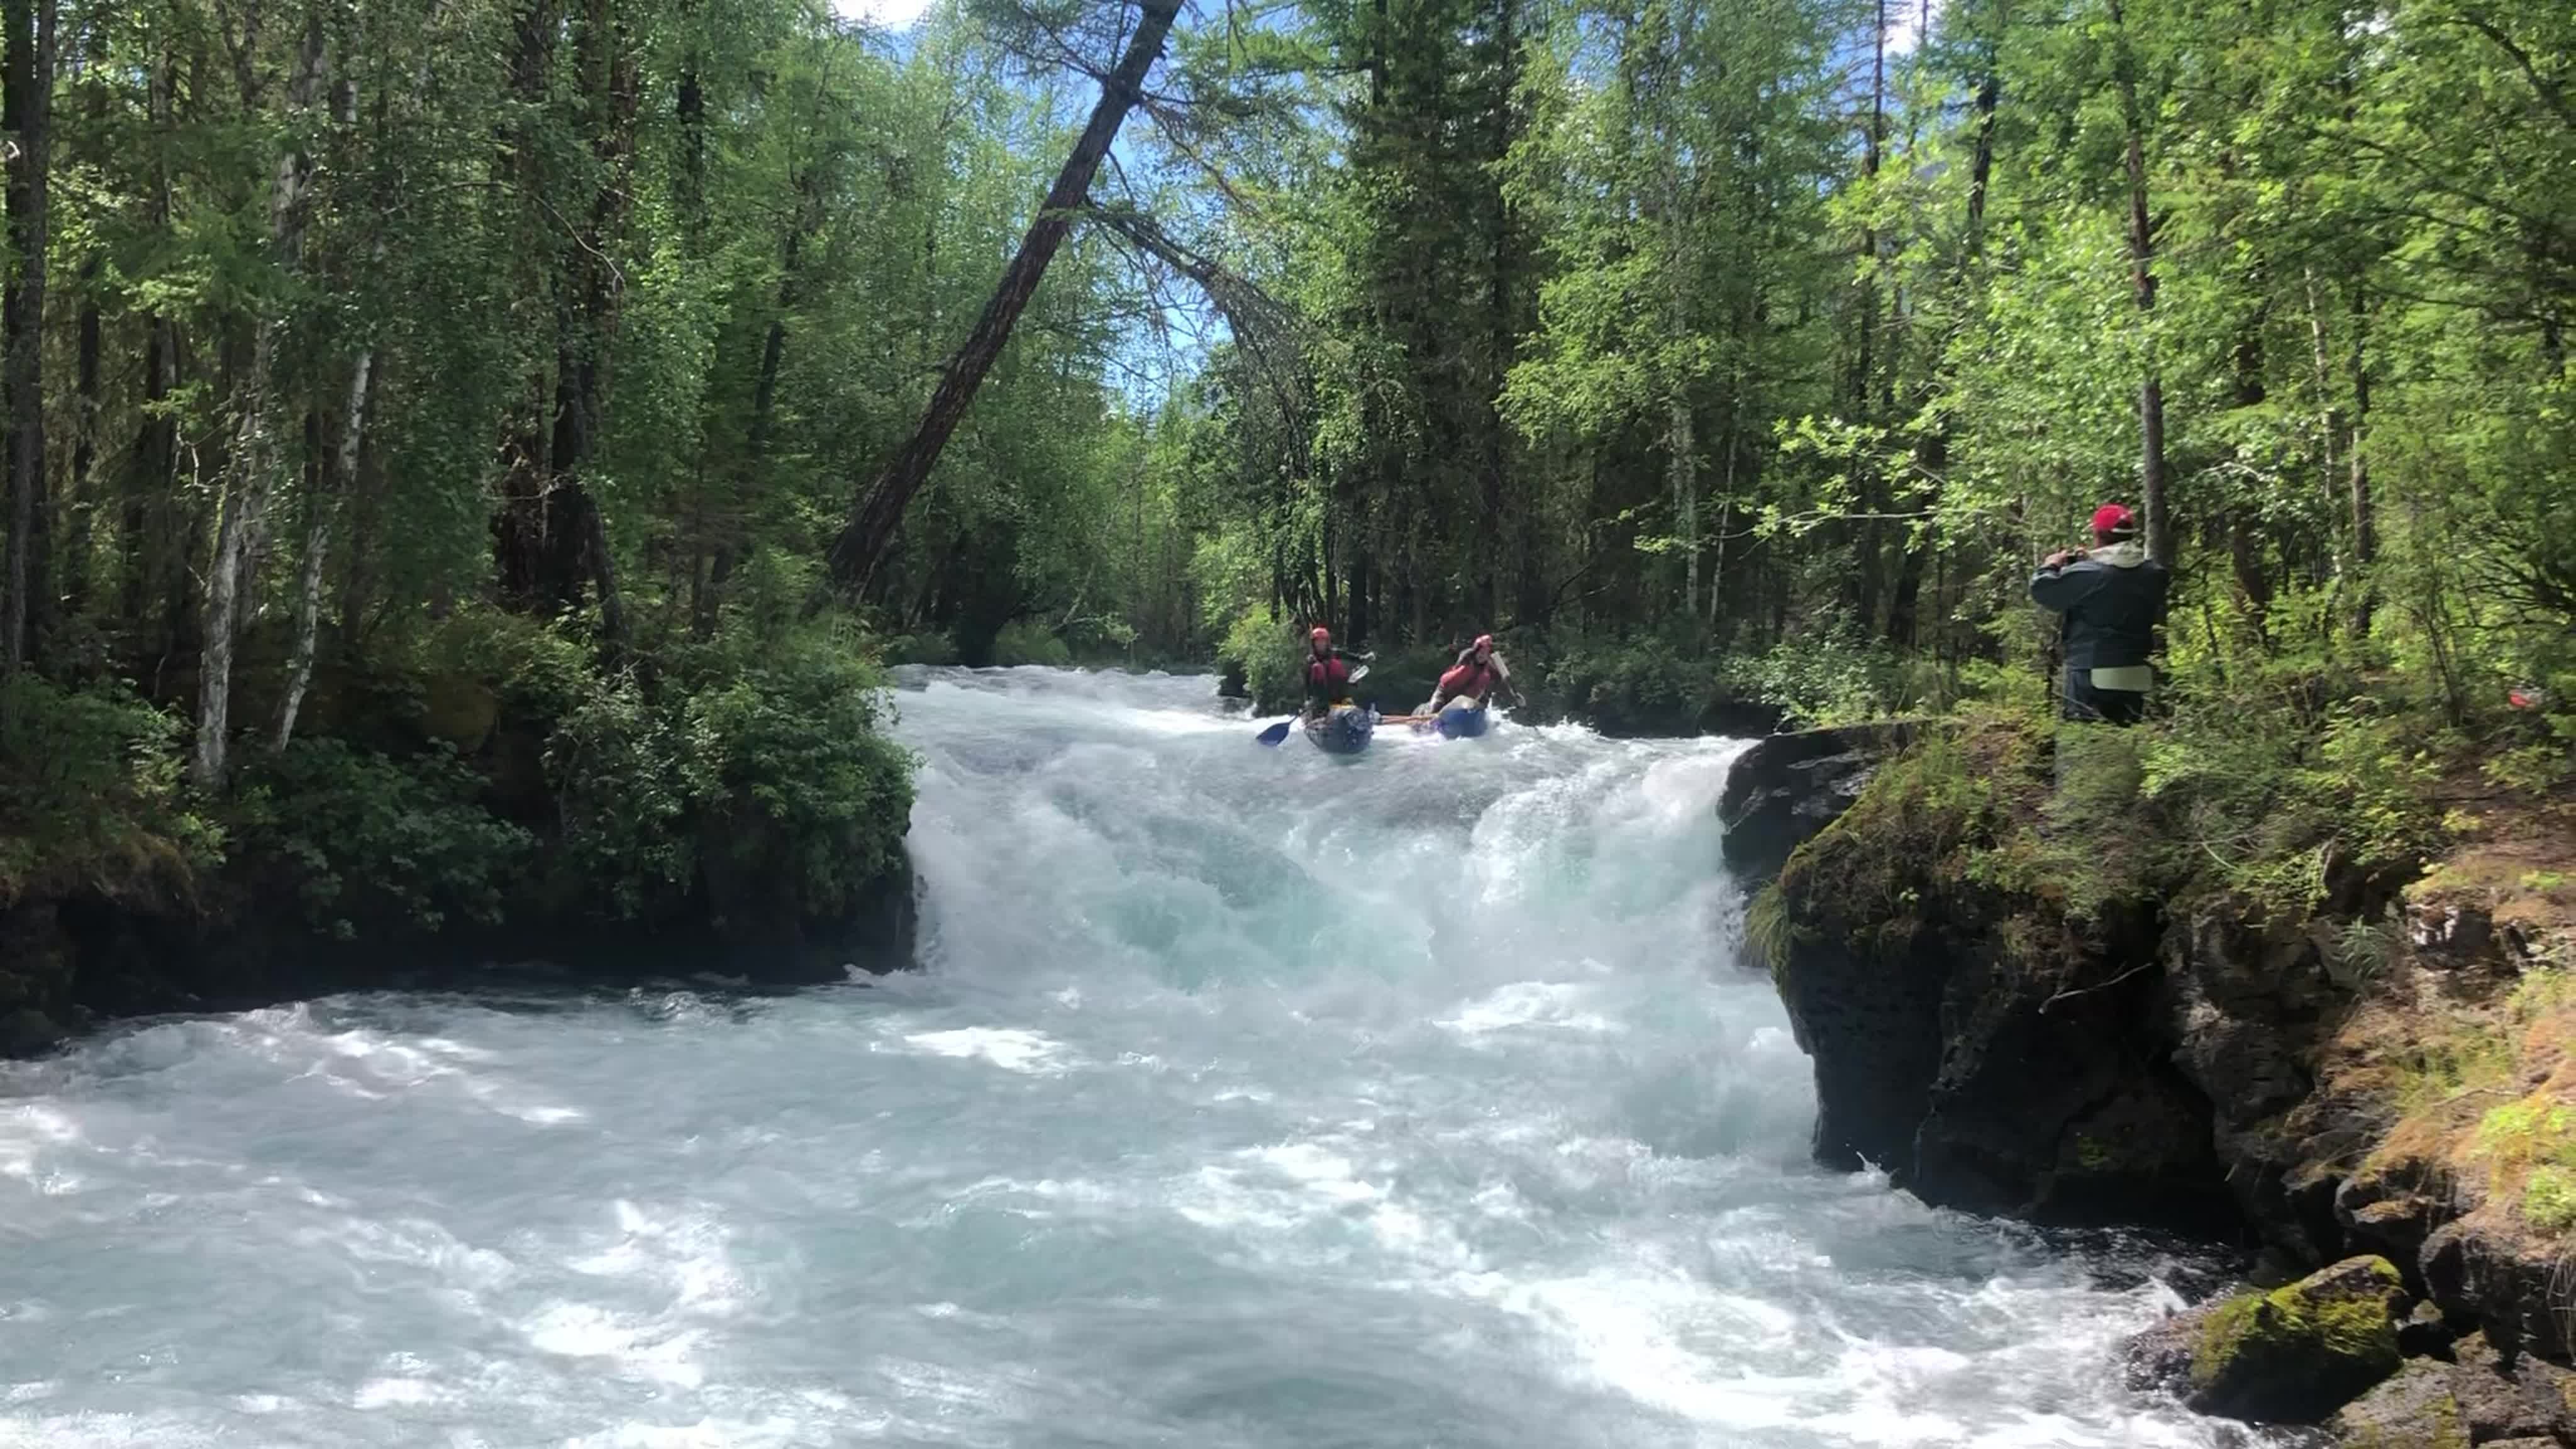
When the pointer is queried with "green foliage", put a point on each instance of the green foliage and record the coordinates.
(1769, 931)
(2267, 791)
(1268, 652)
(2549, 1198)
(1025, 641)
(626, 769)
(2448, 1067)
(364, 838)
(808, 780)
(932, 647)
(2362, 950)
(535, 668)
(1913, 840)
(2532, 1130)
(1832, 678)
(90, 794)
(776, 757)
(1641, 686)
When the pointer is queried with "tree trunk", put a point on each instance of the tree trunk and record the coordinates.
(2244, 541)
(551, 538)
(1499, 331)
(1932, 451)
(1872, 143)
(2365, 526)
(86, 386)
(2142, 258)
(340, 466)
(875, 515)
(1681, 471)
(254, 456)
(28, 104)
(151, 474)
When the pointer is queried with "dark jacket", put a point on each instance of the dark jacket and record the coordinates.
(2112, 600)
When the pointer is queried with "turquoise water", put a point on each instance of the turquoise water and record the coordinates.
(1249, 1098)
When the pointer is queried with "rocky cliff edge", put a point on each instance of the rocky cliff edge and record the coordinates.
(2020, 999)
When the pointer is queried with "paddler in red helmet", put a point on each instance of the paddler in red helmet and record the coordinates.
(1476, 677)
(1328, 672)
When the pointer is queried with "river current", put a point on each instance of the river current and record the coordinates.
(1248, 1097)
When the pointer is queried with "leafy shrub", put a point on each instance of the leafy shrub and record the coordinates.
(536, 668)
(2270, 785)
(625, 771)
(91, 793)
(1832, 679)
(801, 743)
(777, 757)
(2549, 1199)
(1630, 686)
(1267, 651)
(366, 834)
(931, 646)
(1026, 641)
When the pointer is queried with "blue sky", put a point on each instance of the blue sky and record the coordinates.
(889, 14)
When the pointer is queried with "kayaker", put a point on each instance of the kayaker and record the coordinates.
(2112, 595)
(1477, 675)
(1328, 672)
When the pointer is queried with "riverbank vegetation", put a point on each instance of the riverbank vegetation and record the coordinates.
(472, 458)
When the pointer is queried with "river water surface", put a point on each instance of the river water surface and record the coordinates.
(1249, 1098)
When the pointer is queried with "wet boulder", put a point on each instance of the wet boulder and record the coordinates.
(2294, 1355)
(1786, 789)
(2475, 1395)
(2412, 1409)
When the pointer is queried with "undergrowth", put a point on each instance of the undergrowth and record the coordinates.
(92, 795)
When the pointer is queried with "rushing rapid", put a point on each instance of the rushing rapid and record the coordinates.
(1248, 1098)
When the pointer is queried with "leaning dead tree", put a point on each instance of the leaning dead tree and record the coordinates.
(875, 514)
(1269, 337)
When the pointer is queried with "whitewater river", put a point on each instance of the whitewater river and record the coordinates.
(1249, 1098)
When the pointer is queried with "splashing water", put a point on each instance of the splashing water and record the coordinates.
(1249, 1097)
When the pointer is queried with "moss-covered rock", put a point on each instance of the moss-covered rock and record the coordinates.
(1786, 789)
(2297, 1354)
(2414, 1409)
(2473, 1396)
(1989, 1046)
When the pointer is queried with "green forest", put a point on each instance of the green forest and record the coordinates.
(472, 457)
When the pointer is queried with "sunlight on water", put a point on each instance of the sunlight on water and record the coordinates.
(1251, 1098)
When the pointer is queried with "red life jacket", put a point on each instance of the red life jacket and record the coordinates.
(1327, 673)
(1468, 678)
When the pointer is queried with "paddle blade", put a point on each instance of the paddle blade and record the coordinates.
(1276, 733)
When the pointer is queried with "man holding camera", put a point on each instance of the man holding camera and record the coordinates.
(2112, 595)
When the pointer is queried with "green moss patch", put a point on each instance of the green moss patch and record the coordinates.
(2297, 1353)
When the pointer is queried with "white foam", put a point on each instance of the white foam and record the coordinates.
(633, 1349)
(1549, 1004)
(1010, 1048)
(397, 1393)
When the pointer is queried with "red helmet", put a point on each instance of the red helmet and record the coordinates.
(1321, 635)
(2114, 518)
(1485, 642)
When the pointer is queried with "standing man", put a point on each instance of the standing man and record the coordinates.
(2112, 595)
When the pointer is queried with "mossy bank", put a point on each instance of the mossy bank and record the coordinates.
(2320, 1006)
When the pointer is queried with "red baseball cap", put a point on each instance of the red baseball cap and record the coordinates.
(2114, 518)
